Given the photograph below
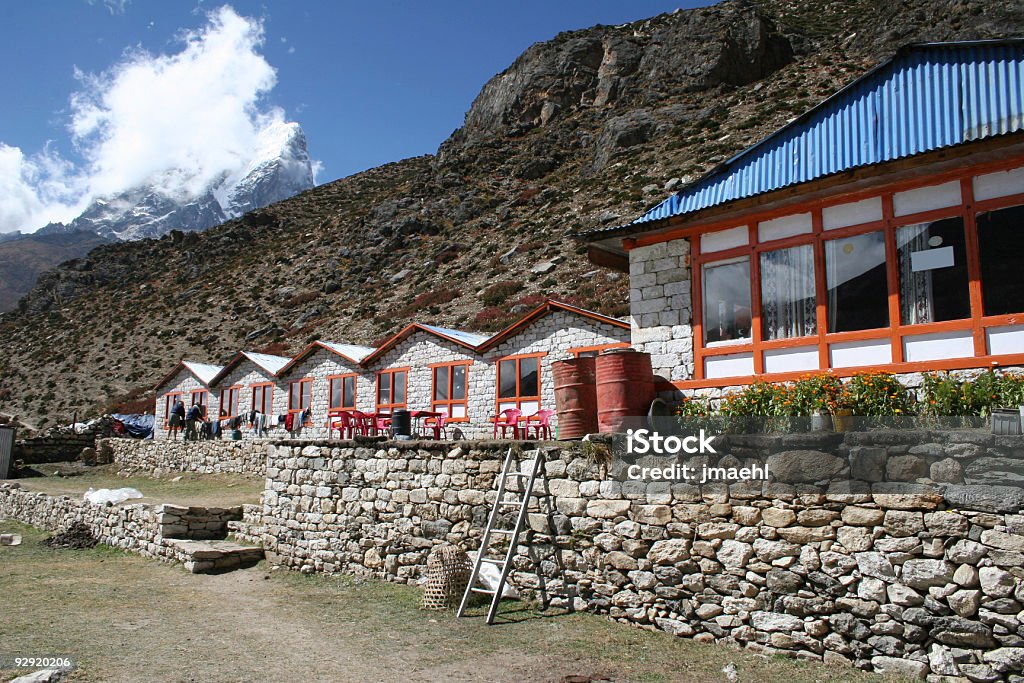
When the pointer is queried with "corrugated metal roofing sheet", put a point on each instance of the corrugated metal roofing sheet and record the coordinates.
(356, 353)
(465, 337)
(203, 371)
(271, 364)
(927, 97)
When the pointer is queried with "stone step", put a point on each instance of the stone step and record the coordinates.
(204, 557)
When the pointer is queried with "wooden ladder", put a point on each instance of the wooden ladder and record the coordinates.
(525, 471)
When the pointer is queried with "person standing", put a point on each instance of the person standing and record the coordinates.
(177, 417)
(195, 414)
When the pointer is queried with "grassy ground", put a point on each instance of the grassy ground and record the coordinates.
(126, 618)
(215, 490)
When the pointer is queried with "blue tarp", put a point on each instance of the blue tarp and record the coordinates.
(137, 426)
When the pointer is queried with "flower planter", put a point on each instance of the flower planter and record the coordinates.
(842, 420)
(1006, 421)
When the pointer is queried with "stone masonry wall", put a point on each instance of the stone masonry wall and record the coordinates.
(138, 528)
(906, 577)
(204, 457)
(661, 308)
(57, 448)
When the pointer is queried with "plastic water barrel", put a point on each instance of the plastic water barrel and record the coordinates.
(575, 397)
(401, 423)
(625, 387)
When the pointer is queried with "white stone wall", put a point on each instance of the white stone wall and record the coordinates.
(319, 366)
(183, 382)
(661, 307)
(245, 375)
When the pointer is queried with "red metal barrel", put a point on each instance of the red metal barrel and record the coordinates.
(575, 397)
(625, 387)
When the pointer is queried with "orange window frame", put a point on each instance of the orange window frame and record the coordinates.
(168, 402)
(519, 398)
(234, 395)
(261, 389)
(203, 395)
(300, 384)
(450, 402)
(596, 349)
(977, 323)
(389, 377)
(341, 386)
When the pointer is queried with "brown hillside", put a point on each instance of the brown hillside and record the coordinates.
(587, 129)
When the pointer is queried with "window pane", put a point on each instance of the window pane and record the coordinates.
(507, 379)
(1001, 245)
(528, 378)
(399, 387)
(788, 303)
(727, 301)
(857, 289)
(306, 387)
(459, 383)
(933, 272)
(349, 400)
(336, 395)
(384, 388)
(441, 384)
(458, 411)
(529, 407)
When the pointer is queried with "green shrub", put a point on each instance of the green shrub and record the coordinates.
(818, 392)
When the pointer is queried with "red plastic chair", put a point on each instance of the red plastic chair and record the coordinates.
(363, 423)
(540, 423)
(343, 422)
(508, 419)
(437, 426)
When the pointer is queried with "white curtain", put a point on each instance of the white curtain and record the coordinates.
(788, 303)
(915, 288)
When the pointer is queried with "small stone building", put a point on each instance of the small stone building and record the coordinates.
(326, 376)
(249, 383)
(881, 230)
(189, 381)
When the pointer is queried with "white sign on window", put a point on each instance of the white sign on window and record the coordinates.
(930, 259)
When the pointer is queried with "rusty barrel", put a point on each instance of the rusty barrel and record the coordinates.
(575, 397)
(625, 387)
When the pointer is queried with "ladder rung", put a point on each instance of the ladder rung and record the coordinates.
(485, 591)
(492, 560)
(518, 474)
(503, 531)
(510, 502)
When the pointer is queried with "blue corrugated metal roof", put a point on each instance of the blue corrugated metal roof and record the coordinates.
(926, 97)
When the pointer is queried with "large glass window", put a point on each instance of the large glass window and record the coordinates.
(342, 392)
(263, 398)
(933, 272)
(519, 384)
(1001, 247)
(856, 282)
(727, 300)
(788, 302)
(391, 389)
(229, 402)
(299, 395)
(450, 390)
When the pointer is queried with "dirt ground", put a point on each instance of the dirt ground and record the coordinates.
(127, 618)
(212, 490)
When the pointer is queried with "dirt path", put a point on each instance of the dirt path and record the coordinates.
(129, 619)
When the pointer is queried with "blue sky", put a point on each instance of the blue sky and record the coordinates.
(369, 82)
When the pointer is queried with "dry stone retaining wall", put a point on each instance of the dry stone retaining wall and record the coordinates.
(139, 528)
(204, 457)
(911, 578)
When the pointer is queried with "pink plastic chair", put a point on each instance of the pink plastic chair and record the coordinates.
(437, 426)
(540, 423)
(343, 422)
(363, 423)
(508, 419)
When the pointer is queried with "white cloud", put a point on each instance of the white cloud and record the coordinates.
(178, 121)
(113, 6)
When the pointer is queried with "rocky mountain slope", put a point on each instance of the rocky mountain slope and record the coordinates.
(587, 129)
(280, 168)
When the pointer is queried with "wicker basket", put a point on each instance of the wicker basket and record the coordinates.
(448, 572)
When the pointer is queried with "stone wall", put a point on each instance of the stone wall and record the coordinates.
(661, 308)
(59, 447)
(204, 457)
(905, 577)
(139, 528)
